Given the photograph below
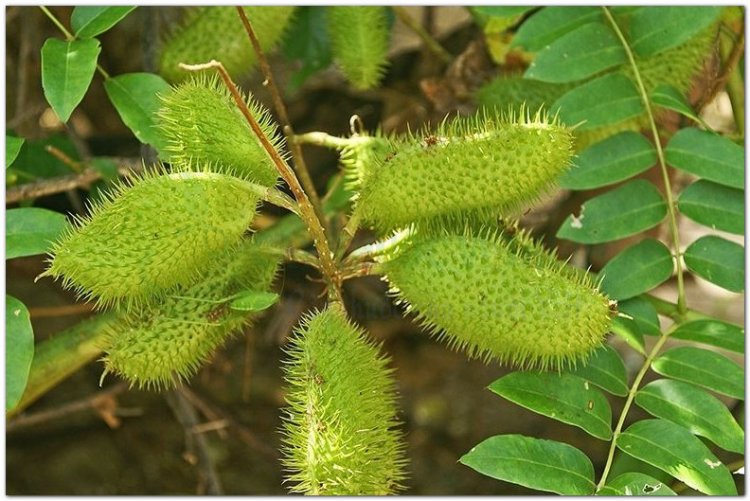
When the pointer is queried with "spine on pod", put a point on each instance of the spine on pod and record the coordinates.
(359, 42)
(338, 428)
(500, 299)
(361, 155)
(203, 126)
(208, 33)
(159, 233)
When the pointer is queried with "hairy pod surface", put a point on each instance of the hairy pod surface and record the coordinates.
(487, 165)
(359, 42)
(212, 32)
(361, 155)
(515, 91)
(338, 428)
(203, 126)
(499, 299)
(165, 341)
(159, 233)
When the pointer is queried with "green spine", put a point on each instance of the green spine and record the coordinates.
(209, 33)
(500, 299)
(338, 428)
(359, 42)
(362, 153)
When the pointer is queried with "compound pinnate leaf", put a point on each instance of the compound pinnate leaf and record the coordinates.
(630, 332)
(718, 260)
(637, 269)
(670, 98)
(644, 314)
(67, 70)
(551, 23)
(31, 230)
(544, 465)
(713, 332)
(713, 205)
(703, 368)
(656, 29)
(12, 148)
(90, 21)
(707, 155)
(635, 484)
(675, 450)
(605, 369)
(19, 342)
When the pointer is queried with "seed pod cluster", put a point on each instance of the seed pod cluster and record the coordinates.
(339, 423)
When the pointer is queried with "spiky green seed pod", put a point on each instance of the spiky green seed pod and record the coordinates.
(208, 33)
(359, 42)
(338, 428)
(500, 299)
(361, 155)
(506, 92)
(486, 165)
(161, 232)
(203, 126)
(164, 342)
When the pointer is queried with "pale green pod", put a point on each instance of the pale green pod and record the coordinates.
(500, 299)
(361, 155)
(216, 32)
(339, 436)
(145, 239)
(359, 42)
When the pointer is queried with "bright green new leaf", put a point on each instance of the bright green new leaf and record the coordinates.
(90, 21)
(703, 368)
(635, 484)
(670, 98)
(637, 269)
(707, 155)
(583, 52)
(67, 71)
(629, 331)
(564, 397)
(605, 369)
(629, 209)
(713, 205)
(693, 409)
(19, 350)
(544, 465)
(644, 314)
(12, 147)
(615, 159)
(713, 332)
(657, 29)
(719, 261)
(31, 230)
(136, 98)
(254, 301)
(672, 448)
(550, 23)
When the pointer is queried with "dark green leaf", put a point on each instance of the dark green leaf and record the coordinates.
(675, 450)
(91, 21)
(629, 209)
(693, 409)
(310, 45)
(583, 52)
(615, 159)
(703, 368)
(605, 369)
(635, 484)
(550, 23)
(719, 261)
(637, 269)
(67, 71)
(31, 230)
(670, 98)
(707, 155)
(713, 205)
(657, 29)
(544, 465)
(19, 350)
(644, 314)
(603, 101)
(713, 332)
(12, 147)
(136, 98)
(254, 301)
(106, 167)
(34, 161)
(564, 397)
(629, 331)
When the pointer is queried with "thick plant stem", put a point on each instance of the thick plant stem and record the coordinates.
(674, 230)
(322, 139)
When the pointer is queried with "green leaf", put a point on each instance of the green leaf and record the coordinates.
(550, 23)
(719, 261)
(644, 314)
(67, 71)
(637, 269)
(564, 397)
(694, 410)
(635, 484)
(136, 98)
(12, 147)
(583, 52)
(615, 159)
(670, 98)
(106, 167)
(629, 331)
(34, 161)
(713, 332)
(605, 369)
(672, 448)
(657, 29)
(254, 301)
(31, 230)
(310, 46)
(89, 22)
(713, 205)
(19, 350)
(544, 465)
(629, 209)
(603, 101)
(704, 368)
(707, 155)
